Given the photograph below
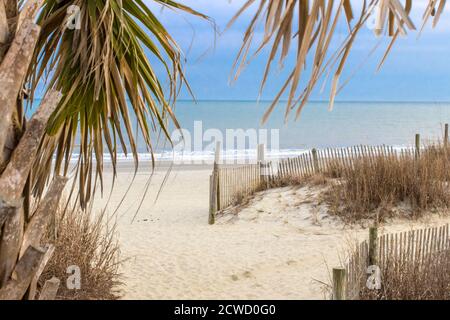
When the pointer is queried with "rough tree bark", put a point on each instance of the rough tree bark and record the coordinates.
(17, 285)
(50, 289)
(22, 256)
(4, 28)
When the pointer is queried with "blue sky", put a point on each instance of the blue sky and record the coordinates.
(418, 69)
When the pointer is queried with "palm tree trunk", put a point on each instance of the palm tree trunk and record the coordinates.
(20, 249)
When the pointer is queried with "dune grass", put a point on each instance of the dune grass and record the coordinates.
(375, 188)
(411, 280)
(88, 241)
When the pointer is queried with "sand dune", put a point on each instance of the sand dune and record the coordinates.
(280, 247)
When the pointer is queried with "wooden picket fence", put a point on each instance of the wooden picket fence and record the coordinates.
(412, 248)
(237, 182)
(230, 184)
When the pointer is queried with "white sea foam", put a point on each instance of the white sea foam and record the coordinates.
(247, 155)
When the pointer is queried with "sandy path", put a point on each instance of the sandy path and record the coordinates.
(262, 254)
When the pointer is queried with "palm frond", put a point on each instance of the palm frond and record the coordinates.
(313, 24)
(106, 73)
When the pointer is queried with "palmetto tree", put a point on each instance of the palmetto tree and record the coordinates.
(94, 77)
(309, 26)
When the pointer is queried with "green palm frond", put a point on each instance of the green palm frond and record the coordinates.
(310, 25)
(106, 72)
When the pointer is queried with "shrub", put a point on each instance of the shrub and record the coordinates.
(411, 280)
(373, 186)
(89, 242)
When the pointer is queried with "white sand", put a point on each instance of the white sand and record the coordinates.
(277, 248)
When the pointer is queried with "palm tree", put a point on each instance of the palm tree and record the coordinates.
(310, 25)
(94, 60)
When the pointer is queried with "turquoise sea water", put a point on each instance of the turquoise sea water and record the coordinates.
(350, 123)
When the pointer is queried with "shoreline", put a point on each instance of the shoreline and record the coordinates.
(203, 162)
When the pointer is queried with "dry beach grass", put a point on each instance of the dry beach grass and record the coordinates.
(384, 186)
(427, 280)
(89, 242)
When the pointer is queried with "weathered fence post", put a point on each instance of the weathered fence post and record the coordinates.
(315, 160)
(373, 246)
(216, 171)
(212, 199)
(446, 135)
(214, 188)
(339, 284)
(417, 145)
(261, 162)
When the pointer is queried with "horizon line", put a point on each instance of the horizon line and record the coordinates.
(314, 101)
(269, 100)
(310, 101)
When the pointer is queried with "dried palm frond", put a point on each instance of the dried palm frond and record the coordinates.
(105, 70)
(313, 23)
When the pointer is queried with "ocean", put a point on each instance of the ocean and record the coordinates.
(348, 124)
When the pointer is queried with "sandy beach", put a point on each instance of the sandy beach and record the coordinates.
(281, 246)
